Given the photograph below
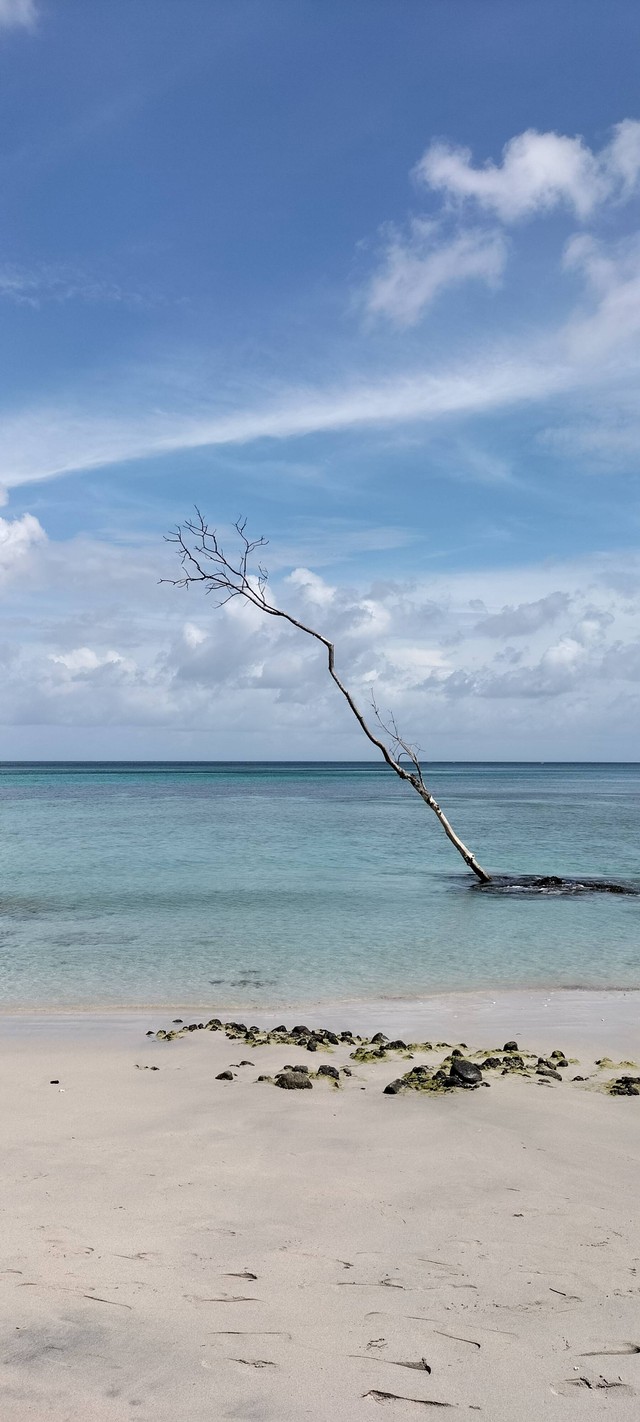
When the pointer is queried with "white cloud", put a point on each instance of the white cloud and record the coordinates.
(18, 536)
(313, 588)
(416, 269)
(539, 171)
(193, 636)
(110, 648)
(85, 659)
(17, 14)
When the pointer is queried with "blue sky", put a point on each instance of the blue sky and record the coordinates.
(370, 275)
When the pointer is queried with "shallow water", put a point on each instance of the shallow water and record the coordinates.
(287, 882)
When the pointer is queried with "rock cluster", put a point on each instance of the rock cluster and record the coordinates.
(462, 1073)
(625, 1086)
(455, 1071)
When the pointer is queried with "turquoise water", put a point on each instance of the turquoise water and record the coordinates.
(281, 883)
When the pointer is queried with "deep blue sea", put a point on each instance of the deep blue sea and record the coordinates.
(255, 884)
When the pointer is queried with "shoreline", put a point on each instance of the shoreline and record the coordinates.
(586, 1018)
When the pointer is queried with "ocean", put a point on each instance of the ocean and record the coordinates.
(285, 883)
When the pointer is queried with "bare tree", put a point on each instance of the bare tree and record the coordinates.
(204, 561)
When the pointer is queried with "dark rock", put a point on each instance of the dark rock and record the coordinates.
(224, 1076)
(214, 1024)
(548, 1071)
(555, 1055)
(394, 1087)
(55, 1081)
(346, 1036)
(177, 1021)
(626, 1086)
(281, 1028)
(329, 1071)
(293, 1080)
(265, 1078)
(312, 1045)
(245, 1063)
(297, 1067)
(193, 1027)
(300, 1032)
(513, 1062)
(464, 1072)
(442, 1077)
(346, 1071)
(398, 1046)
(490, 1063)
(150, 1034)
(510, 1047)
(379, 1038)
(578, 1078)
(331, 1037)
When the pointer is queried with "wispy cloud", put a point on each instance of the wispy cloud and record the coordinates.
(18, 14)
(41, 443)
(417, 268)
(36, 285)
(596, 348)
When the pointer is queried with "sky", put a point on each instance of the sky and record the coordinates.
(369, 276)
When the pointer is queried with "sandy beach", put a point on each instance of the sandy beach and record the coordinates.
(178, 1245)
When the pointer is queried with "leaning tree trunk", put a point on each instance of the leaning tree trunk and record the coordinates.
(204, 561)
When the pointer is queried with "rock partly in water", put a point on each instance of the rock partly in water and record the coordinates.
(331, 1071)
(224, 1076)
(527, 884)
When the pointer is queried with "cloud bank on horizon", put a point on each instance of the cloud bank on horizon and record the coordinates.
(429, 401)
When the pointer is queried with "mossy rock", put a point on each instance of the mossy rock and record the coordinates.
(624, 1086)
(368, 1054)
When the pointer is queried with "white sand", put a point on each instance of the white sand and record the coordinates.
(493, 1233)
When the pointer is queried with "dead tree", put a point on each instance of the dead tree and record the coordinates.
(204, 561)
